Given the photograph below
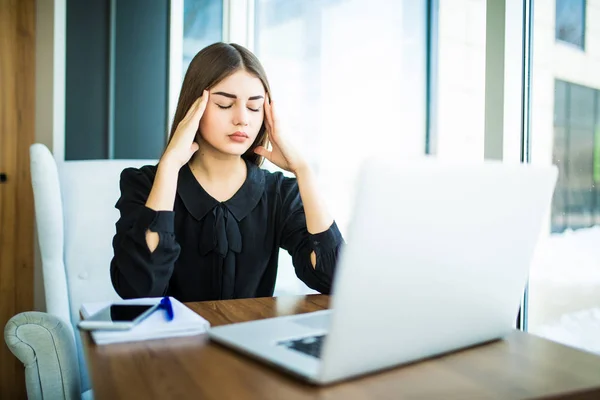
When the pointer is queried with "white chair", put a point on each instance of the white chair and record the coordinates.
(75, 218)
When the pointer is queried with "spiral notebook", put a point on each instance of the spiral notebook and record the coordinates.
(185, 323)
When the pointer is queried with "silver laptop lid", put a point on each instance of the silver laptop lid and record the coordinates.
(437, 258)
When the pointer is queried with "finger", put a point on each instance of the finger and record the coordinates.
(268, 127)
(268, 112)
(199, 105)
(273, 134)
(203, 101)
(195, 147)
(274, 116)
(191, 125)
(275, 144)
(192, 109)
(274, 131)
(261, 151)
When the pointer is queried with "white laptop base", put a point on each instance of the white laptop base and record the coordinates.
(437, 258)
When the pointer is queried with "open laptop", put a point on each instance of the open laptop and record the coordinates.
(437, 259)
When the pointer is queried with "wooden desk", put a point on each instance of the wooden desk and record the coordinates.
(521, 366)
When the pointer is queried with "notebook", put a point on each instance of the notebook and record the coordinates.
(185, 323)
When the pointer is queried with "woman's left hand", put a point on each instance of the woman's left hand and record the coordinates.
(282, 153)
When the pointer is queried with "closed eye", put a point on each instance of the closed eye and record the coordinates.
(229, 106)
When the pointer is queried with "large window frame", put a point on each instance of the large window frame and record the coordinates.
(525, 151)
(508, 76)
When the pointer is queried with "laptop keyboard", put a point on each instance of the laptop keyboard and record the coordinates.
(320, 320)
(310, 345)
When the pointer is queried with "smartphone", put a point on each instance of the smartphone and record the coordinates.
(118, 317)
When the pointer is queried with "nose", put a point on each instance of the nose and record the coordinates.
(240, 115)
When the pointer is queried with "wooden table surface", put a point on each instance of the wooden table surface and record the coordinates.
(520, 366)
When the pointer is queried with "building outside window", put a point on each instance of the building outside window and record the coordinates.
(564, 288)
(570, 22)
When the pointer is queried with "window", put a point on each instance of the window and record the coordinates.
(349, 79)
(564, 287)
(570, 22)
(202, 25)
(194, 24)
(576, 203)
(120, 79)
(327, 59)
(116, 79)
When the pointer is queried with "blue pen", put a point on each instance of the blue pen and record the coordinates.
(165, 303)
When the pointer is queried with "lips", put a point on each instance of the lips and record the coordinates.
(238, 137)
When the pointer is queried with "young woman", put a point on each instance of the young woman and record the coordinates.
(207, 223)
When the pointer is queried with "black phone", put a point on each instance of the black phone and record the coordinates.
(118, 317)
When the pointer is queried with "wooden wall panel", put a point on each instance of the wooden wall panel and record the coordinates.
(17, 115)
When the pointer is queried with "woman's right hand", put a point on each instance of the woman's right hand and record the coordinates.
(182, 145)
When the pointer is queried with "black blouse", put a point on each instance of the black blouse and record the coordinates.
(212, 250)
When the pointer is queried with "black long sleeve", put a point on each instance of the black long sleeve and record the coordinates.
(211, 250)
(135, 271)
(300, 243)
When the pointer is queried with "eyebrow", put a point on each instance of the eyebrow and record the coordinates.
(233, 96)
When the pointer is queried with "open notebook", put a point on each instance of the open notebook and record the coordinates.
(185, 323)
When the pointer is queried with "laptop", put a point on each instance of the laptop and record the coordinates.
(437, 259)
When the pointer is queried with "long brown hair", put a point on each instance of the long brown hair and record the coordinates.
(210, 66)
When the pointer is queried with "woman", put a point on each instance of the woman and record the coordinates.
(207, 223)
